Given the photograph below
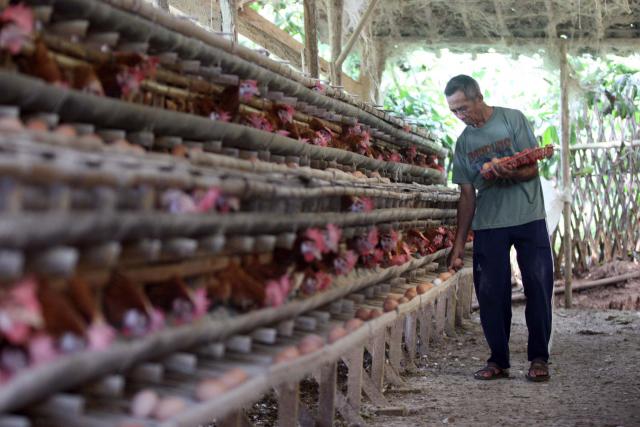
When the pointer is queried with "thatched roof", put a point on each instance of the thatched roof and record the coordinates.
(474, 25)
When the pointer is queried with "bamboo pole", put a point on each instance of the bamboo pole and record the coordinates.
(335, 8)
(566, 172)
(356, 33)
(311, 38)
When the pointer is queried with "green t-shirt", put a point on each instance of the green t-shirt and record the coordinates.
(499, 202)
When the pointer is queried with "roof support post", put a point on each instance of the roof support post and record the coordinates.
(566, 171)
(335, 10)
(311, 38)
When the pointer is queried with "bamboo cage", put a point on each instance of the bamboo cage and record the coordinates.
(173, 248)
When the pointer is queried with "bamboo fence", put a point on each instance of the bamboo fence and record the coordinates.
(605, 221)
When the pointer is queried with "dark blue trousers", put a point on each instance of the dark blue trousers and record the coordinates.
(492, 280)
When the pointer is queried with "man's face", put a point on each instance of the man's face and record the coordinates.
(469, 111)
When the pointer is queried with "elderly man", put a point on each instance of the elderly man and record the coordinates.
(503, 212)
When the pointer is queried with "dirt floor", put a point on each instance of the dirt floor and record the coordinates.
(620, 296)
(595, 377)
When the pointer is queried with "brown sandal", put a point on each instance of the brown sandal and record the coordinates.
(494, 373)
(538, 365)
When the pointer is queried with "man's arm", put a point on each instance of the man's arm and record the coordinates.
(466, 210)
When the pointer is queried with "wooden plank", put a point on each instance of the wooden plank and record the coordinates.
(373, 393)
(351, 416)
(425, 328)
(288, 404)
(377, 346)
(282, 44)
(450, 316)
(395, 344)
(327, 394)
(441, 309)
(353, 361)
(410, 338)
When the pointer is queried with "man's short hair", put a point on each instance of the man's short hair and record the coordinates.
(466, 84)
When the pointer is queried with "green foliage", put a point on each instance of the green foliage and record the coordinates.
(612, 87)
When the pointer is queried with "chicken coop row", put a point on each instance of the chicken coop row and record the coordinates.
(187, 224)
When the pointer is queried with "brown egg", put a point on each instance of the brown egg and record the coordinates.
(10, 124)
(143, 403)
(445, 276)
(336, 333)
(410, 293)
(390, 304)
(179, 150)
(403, 300)
(210, 389)
(310, 343)
(286, 354)
(37, 125)
(363, 313)
(66, 130)
(91, 139)
(375, 313)
(353, 324)
(424, 288)
(169, 407)
(234, 377)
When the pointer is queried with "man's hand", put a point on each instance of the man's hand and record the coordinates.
(524, 173)
(455, 258)
(466, 210)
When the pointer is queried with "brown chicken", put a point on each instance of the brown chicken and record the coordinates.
(62, 321)
(42, 65)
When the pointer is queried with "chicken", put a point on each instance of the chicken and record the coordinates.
(61, 320)
(315, 281)
(17, 27)
(20, 311)
(345, 263)
(174, 297)
(356, 139)
(43, 66)
(277, 291)
(246, 291)
(357, 204)
(126, 307)
(86, 80)
(99, 333)
(122, 74)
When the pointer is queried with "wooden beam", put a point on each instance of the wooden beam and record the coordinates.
(311, 38)
(356, 33)
(265, 33)
(335, 10)
(566, 171)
